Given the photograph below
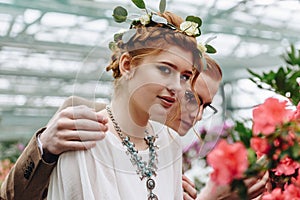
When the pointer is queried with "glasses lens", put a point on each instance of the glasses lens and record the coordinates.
(209, 111)
(190, 102)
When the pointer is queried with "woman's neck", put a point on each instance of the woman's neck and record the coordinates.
(132, 121)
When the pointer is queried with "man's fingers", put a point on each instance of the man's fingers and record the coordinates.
(187, 196)
(185, 178)
(259, 187)
(80, 124)
(189, 189)
(74, 140)
(81, 112)
(101, 118)
(79, 145)
(250, 181)
(81, 135)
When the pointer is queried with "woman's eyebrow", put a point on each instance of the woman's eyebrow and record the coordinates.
(170, 64)
(175, 67)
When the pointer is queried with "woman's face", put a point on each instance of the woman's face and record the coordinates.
(157, 82)
(206, 88)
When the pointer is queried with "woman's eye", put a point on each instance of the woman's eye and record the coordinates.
(185, 77)
(164, 69)
(189, 96)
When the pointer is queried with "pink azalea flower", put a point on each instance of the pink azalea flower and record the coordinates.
(286, 166)
(296, 114)
(260, 146)
(268, 115)
(296, 180)
(292, 192)
(229, 161)
(276, 194)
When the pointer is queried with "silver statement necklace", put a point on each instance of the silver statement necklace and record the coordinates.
(144, 169)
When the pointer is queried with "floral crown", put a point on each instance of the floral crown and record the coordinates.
(190, 27)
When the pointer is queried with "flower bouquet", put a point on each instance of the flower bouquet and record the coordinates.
(272, 145)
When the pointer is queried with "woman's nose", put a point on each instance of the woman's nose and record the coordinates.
(175, 85)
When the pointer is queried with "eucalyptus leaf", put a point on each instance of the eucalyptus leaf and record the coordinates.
(120, 14)
(162, 6)
(198, 33)
(139, 3)
(159, 19)
(210, 49)
(117, 36)
(112, 46)
(194, 19)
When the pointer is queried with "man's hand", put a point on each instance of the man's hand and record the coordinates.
(73, 128)
(256, 186)
(189, 191)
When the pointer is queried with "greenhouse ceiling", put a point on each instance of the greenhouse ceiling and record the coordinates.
(53, 49)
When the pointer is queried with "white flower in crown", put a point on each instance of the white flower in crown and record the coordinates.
(145, 19)
(201, 47)
(190, 28)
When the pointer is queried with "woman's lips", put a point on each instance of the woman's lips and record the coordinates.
(167, 101)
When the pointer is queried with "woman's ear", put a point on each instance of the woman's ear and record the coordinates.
(125, 63)
(125, 66)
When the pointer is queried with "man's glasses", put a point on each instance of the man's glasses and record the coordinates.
(191, 104)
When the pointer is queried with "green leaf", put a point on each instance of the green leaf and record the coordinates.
(194, 19)
(112, 46)
(251, 156)
(210, 49)
(280, 79)
(139, 3)
(292, 57)
(162, 6)
(245, 133)
(254, 74)
(118, 36)
(120, 14)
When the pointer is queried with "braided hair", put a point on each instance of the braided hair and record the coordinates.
(154, 38)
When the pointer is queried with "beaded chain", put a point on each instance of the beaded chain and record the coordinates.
(144, 169)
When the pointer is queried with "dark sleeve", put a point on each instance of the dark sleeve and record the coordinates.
(29, 178)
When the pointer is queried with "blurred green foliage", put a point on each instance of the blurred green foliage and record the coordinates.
(11, 150)
(285, 81)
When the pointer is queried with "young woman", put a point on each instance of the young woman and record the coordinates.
(138, 158)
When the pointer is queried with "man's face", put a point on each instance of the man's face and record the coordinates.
(181, 120)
